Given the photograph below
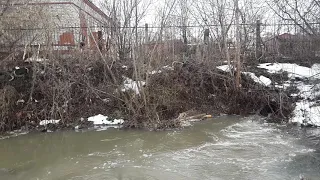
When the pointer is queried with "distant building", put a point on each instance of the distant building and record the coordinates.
(293, 46)
(75, 24)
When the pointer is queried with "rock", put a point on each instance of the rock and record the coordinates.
(41, 129)
(85, 124)
(307, 125)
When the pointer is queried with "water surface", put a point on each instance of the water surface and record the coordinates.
(221, 148)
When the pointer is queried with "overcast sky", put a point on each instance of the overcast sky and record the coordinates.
(149, 18)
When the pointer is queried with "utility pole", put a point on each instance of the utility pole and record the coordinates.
(136, 4)
(238, 45)
(136, 45)
(184, 19)
(258, 40)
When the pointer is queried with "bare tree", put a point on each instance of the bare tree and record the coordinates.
(301, 13)
(238, 43)
(218, 13)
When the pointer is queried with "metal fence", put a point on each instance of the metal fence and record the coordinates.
(288, 40)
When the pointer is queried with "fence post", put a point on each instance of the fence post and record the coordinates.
(258, 40)
(146, 33)
(100, 40)
(206, 36)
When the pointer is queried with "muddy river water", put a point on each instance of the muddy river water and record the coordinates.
(221, 148)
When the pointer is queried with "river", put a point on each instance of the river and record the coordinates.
(225, 148)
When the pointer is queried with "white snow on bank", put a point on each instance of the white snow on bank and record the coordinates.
(261, 80)
(305, 113)
(306, 110)
(46, 122)
(266, 81)
(284, 85)
(103, 120)
(293, 70)
(130, 84)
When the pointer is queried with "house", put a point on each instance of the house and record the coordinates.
(68, 24)
(293, 46)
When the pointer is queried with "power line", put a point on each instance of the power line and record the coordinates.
(162, 27)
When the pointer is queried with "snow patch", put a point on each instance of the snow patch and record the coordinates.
(261, 80)
(284, 86)
(103, 120)
(307, 111)
(46, 122)
(294, 70)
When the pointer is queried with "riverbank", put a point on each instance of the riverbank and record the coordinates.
(46, 96)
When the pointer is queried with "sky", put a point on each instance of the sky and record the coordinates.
(267, 17)
(149, 18)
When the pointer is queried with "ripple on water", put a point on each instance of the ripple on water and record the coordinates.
(248, 149)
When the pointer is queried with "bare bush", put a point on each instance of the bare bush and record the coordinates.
(171, 76)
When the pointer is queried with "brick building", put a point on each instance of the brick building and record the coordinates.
(73, 24)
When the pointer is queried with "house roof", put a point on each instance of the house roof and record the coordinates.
(288, 36)
(95, 8)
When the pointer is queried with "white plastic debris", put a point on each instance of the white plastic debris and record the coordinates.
(225, 68)
(46, 122)
(168, 68)
(34, 59)
(125, 67)
(155, 72)
(20, 101)
(130, 84)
